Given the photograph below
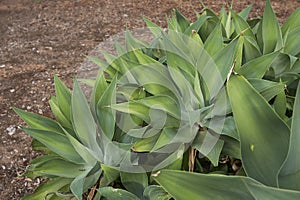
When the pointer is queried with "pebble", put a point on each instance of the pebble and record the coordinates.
(11, 130)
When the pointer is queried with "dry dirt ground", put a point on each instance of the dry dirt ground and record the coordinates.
(39, 38)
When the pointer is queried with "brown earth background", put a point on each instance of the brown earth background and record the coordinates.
(40, 38)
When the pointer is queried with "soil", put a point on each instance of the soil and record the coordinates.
(39, 38)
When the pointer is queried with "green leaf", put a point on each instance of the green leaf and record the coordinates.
(63, 96)
(291, 45)
(134, 182)
(292, 22)
(209, 146)
(83, 121)
(110, 175)
(261, 132)
(241, 25)
(290, 172)
(182, 21)
(214, 42)
(215, 71)
(268, 89)
(257, 68)
(60, 117)
(48, 189)
(39, 122)
(280, 104)
(154, 28)
(251, 49)
(56, 166)
(271, 32)
(186, 185)
(155, 192)
(78, 184)
(99, 88)
(105, 115)
(111, 193)
(57, 143)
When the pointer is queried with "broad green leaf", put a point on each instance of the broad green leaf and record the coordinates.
(241, 25)
(154, 28)
(110, 175)
(271, 32)
(186, 185)
(133, 108)
(60, 117)
(81, 150)
(211, 21)
(280, 104)
(215, 71)
(57, 143)
(261, 132)
(105, 115)
(182, 21)
(48, 189)
(209, 146)
(195, 26)
(156, 192)
(291, 45)
(214, 42)
(245, 12)
(292, 22)
(290, 172)
(145, 144)
(103, 66)
(83, 121)
(251, 49)
(111, 193)
(55, 166)
(39, 122)
(134, 182)
(268, 89)
(257, 68)
(99, 88)
(78, 184)
(63, 96)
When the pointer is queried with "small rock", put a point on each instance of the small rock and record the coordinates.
(12, 90)
(11, 130)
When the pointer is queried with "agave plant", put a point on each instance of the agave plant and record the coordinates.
(199, 97)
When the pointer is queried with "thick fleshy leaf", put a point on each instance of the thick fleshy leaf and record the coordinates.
(291, 45)
(57, 143)
(48, 189)
(271, 32)
(154, 28)
(155, 192)
(290, 172)
(56, 166)
(106, 116)
(186, 185)
(214, 42)
(261, 132)
(83, 121)
(110, 175)
(209, 146)
(39, 122)
(134, 182)
(256, 68)
(111, 193)
(78, 184)
(182, 21)
(57, 112)
(292, 22)
(268, 89)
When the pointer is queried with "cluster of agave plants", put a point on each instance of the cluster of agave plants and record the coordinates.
(206, 110)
